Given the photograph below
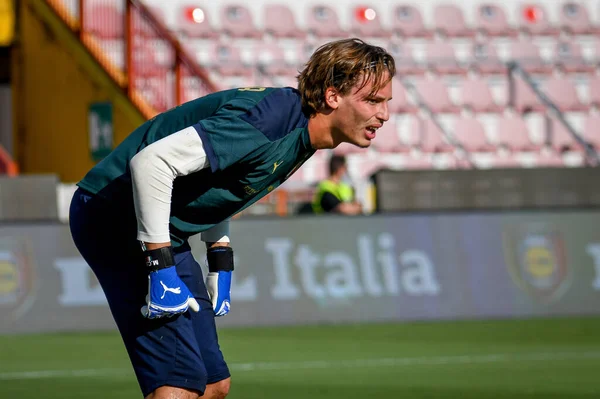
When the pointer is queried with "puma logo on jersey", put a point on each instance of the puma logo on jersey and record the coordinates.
(275, 166)
(173, 290)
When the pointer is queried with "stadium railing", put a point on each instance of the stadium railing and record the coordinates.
(591, 156)
(138, 51)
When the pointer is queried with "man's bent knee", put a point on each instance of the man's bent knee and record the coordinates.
(217, 390)
(169, 392)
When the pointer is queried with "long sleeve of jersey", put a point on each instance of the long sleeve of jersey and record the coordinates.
(153, 171)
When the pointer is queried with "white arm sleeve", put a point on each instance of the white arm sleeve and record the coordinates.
(152, 173)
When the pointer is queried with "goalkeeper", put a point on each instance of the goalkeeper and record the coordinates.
(188, 171)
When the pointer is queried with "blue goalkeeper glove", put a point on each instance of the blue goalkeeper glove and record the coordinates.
(167, 294)
(218, 280)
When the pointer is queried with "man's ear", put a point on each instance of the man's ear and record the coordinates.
(332, 98)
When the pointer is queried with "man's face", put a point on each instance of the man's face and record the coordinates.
(358, 114)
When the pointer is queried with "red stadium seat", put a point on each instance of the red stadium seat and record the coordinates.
(388, 140)
(574, 19)
(525, 99)
(449, 20)
(469, 132)
(594, 90)
(280, 22)
(237, 22)
(561, 91)
(405, 62)
(441, 58)
(561, 139)
(366, 22)
(432, 137)
(434, 94)
(485, 59)
(270, 58)
(417, 163)
(322, 21)
(491, 21)
(399, 102)
(591, 133)
(477, 95)
(227, 60)
(569, 57)
(407, 21)
(527, 54)
(513, 133)
(347, 148)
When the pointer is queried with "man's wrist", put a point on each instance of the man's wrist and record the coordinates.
(219, 259)
(159, 258)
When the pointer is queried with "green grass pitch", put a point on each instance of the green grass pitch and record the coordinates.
(543, 358)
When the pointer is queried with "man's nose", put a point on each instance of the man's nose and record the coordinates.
(384, 113)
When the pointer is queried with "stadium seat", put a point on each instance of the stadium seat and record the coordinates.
(280, 22)
(591, 132)
(388, 140)
(441, 58)
(410, 162)
(507, 160)
(269, 57)
(569, 57)
(491, 21)
(575, 20)
(399, 102)
(560, 139)
(594, 91)
(527, 54)
(407, 21)
(104, 21)
(485, 59)
(431, 136)
(534, 20)
(434, 94)
(561, 91)
(405, 62)
(512, 132)
(227, 60)
(450, 21)
(323, 22)
(547, 159)
(366, 22)
(347, 149)
(237, 22)
(477, 95)
(194, 22)
(469, 132)
(525, 99)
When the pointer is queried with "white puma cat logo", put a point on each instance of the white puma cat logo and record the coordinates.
(173, 290)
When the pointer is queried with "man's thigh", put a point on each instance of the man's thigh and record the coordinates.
(203, 322)
(181, 351)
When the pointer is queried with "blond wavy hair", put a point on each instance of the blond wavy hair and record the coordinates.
(340, 64)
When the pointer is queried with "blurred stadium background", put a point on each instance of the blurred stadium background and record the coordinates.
(474, 272)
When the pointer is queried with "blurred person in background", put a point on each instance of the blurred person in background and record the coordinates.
(335, 194)
(187, 171)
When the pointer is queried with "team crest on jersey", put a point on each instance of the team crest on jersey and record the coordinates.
(537, 261)
(16, 277)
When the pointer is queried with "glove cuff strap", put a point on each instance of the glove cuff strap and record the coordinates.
(220, 259)
(161, 258)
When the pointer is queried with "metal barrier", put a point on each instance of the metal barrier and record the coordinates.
(138, 52)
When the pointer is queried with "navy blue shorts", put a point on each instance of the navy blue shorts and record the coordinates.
(182, 351)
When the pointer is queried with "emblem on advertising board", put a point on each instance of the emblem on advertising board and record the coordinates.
(536, 260)
(16, 277)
